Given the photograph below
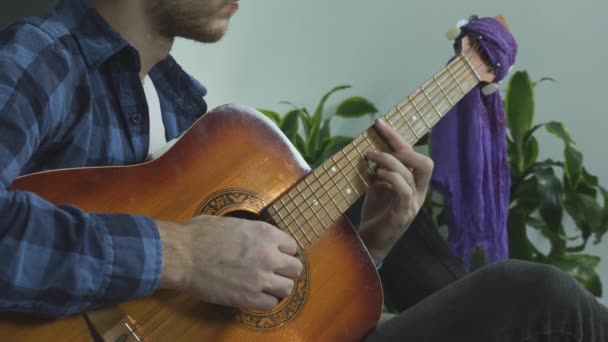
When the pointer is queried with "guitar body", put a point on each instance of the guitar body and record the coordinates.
(232, 162)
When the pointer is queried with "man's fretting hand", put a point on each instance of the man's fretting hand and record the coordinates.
(240, 263)
(396, 195)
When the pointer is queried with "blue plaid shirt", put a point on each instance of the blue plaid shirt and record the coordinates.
(70, 96)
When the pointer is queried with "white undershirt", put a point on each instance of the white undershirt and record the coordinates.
(158, 139)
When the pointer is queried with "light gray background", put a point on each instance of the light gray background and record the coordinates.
(296, 50)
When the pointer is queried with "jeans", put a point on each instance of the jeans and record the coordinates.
(504, 301)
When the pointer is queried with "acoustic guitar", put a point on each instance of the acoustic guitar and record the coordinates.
(235, 162)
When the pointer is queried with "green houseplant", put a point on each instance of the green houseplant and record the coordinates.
(313, 138)
(541, 200)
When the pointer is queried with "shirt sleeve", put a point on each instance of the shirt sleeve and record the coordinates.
(57, 260)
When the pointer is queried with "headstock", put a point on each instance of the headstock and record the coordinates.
(470, 48)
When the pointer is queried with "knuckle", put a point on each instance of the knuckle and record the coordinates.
(270, 304)
(428, 163)
(288, 287)
(267, 259)
(257, 283)
(299, 268)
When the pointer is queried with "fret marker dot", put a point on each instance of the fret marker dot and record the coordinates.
(349, 191)
(315, 203)
(414, 118)
(333, 169)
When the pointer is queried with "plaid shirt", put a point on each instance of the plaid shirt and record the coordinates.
(70, 96)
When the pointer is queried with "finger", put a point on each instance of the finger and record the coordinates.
(421, 166)
(292, 267)
(401, 188)
(285, 242)
(261, 301)
(395, 141)
(391, 163)
(280, 287)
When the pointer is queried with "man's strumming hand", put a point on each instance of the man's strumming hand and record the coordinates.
(228, 261)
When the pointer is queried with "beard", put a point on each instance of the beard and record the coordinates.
(191, 19)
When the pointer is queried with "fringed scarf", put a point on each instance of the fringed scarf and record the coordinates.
(468, 147)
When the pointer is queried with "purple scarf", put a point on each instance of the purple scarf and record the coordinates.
(470, 154)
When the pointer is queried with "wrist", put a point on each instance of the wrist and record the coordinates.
(173, 274)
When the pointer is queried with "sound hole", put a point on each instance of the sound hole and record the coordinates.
(230, 203)
(244, 214)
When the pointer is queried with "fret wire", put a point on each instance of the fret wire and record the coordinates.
(317, 202)
(360, 165)
(287, 226)
(361, 153)
(466, 61)
(452, 92)
(336, 184)
(457, 83)
(445, 95)
(295, 220)
(330, 196)
(443, 91)
(408, 122)
(419, 113)
(431, 102)
(390, 123)
(447, 71)
(357, 171)
(312, 226)
(321, 204)
(301, 214)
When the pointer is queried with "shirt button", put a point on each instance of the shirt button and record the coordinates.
(136, 118)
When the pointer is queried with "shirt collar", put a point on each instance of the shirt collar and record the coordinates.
(97, 39)
(98, 42)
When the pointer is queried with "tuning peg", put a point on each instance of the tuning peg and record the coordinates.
(489, 89)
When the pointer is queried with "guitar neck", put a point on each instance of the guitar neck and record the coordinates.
(323, 196)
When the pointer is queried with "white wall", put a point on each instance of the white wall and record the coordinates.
(296, 50)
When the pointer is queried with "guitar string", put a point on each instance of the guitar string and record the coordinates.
(163, 319)
(435, 89)
(150, 319)
(455, 85)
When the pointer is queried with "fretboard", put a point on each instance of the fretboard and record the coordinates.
(316, 202)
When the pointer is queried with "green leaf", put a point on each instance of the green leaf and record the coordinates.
(314, 139)
(544, 79)
(519, 246)
(550, 199)
(306, 121)
(588, 185)
(604, 226)
(335, 144)
(289, 125)
(289, 104)
(520, 106)
(530, 152)
(325, 130)
(275, 117)
(356, 107)
(573, 157)
(300, 145)
(583, 268)
(526, 195)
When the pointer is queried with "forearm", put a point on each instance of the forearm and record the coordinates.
(56, 261)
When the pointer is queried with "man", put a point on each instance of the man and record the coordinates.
(71, 95)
